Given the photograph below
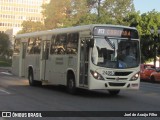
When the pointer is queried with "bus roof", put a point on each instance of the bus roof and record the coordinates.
(68, 29)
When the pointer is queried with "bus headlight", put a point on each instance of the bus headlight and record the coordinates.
(135, 77)
(96, 75)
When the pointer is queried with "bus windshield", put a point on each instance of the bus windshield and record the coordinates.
(116, 53)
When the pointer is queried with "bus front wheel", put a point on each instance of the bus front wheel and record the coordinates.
(71, 85)
(114, 92)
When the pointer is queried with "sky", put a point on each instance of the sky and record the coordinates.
(145, 6)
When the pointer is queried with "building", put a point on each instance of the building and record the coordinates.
(14, 12)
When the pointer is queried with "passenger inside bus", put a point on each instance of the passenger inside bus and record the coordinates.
(127, 56)
(130, 58)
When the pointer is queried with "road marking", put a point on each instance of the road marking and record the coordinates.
(4, 91)
(6, 73)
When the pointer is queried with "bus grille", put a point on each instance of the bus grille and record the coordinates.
(122, 73)
(117, 84)
(108, 78)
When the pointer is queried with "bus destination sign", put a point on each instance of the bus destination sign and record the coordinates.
(116, 32)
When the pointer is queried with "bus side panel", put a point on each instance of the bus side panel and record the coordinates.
(49, 71)
(58, 66)
(73, 66)
(34, 62)
(56, 69)
(15, 64)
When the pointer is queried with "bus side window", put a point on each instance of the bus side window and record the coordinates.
(30, 46)
(60, 44)
(17, 46)
(37, 47)
(72, 43)
(34, 46)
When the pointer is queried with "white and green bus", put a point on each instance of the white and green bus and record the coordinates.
(92, 57)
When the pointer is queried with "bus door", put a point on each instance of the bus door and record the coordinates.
(22, 59)
(44, 60)
(84, 58)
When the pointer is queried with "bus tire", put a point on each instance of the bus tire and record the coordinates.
(114, 92)
(33, 82)
(71, 85)
(31, 78)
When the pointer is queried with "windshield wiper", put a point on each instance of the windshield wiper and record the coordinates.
(112, 45)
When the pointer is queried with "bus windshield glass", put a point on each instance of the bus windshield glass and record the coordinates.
(116, 53)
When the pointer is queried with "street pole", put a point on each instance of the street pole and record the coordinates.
(99, 4)
(155, 55)
(156, 40)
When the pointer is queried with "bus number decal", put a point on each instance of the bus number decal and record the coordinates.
(101, 31)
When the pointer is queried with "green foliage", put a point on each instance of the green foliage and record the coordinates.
(31, 26)
(150, 20)
(4, 44)
(79, 12)
(117, 10)
(5, 63)
(64, 13)
(144, 23)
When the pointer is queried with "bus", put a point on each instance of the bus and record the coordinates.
(92, 57)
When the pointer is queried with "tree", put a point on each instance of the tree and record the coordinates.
(133, 19)
(4, 44)
(144, 23)
(31, 26)
(117, 10)
(64, 13)
(78, 12)
(150, 20)
(54, 13)
(91, 4)
(108, 11)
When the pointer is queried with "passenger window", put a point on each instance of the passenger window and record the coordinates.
(17, 45)
(34, 46)
(72, 43)
(60, 44)
(37, 47)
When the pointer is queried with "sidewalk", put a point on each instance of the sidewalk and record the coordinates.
(6, 69)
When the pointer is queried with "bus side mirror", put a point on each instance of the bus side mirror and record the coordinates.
(91, 43)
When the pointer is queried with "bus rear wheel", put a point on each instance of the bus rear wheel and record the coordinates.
(114, 92)
(33, 82)
(71, 85)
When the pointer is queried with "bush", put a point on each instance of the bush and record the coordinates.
(5, 64)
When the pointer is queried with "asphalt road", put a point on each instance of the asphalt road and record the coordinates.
(17, 95)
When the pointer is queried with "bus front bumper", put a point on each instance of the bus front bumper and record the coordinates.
(100, 84)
